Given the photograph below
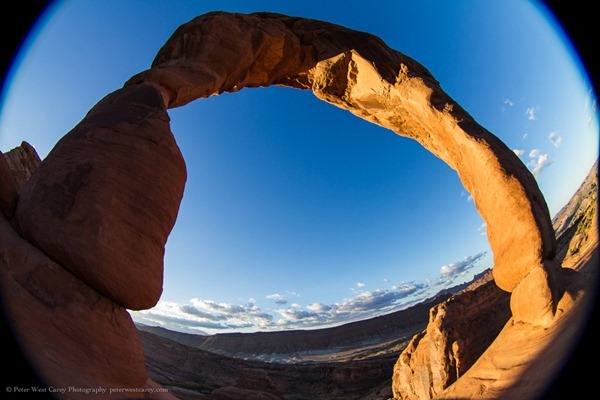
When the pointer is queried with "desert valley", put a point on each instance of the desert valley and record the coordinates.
(381, 358)
(73, 260)
(354, 361)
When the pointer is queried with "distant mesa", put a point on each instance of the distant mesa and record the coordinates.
(83, 237)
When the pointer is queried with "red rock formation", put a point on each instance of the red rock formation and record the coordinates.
(105, 199)
(459, 331)
(16, 166)
(77, 340)
(74, 336)
(93, 219)
(22, 161)
(358, 72)
(465, 327)
(576, 224)
(8, 189)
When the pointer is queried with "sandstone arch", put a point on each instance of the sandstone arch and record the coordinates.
(120, 172)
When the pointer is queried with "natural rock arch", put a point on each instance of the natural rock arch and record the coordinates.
(107, 195)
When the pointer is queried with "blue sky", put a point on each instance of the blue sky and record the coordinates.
(297, 214)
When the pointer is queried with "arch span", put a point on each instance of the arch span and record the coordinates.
(220, 52)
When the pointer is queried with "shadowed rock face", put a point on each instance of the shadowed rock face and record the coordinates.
(105, 199)
(459, 331)
(103, 202)
(16, 166)
(119, 172)
(222, 52)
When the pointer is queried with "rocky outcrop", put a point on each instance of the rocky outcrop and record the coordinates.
(76, 339)
(459, 331)
(8, 189)
(22, 161)
(221, 52)
(16, 166)
(74, 336)
(105, 199)
(576, 224)
(463, 327)
(86, 239)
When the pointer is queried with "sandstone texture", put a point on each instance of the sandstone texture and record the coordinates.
(22, 161)
(459, 331)
(83, 232)
(473, 334)
(103, 202)
(16, 166)
(8, 189)
(75, 338)
(222, 52)
(576, 224)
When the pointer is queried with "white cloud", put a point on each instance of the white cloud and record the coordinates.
(525, 135)
(507, 103)
(200, 314)
(295, 315)
(460, 267)
(555, 139)
(539, 163)
(205, 314)
(534, 153)
(278, 298)
(590, 106)
(519, 152)
(364, 305)
(360, 284)
(530, 112)
(466, 194)
(318, 307)
(482, 229)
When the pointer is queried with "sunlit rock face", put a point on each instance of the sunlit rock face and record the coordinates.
(86, 238)
(473, 348)
(222, 52)
(459, 331)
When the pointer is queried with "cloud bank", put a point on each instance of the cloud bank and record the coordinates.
(200, 315)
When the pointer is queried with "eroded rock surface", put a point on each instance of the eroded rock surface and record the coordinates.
(22, 162)
(459, 331)
(16, 166)
(92, 220)
(466, 327)
(576, 224)
(222, 52)
(76, 337)
(105, 199)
